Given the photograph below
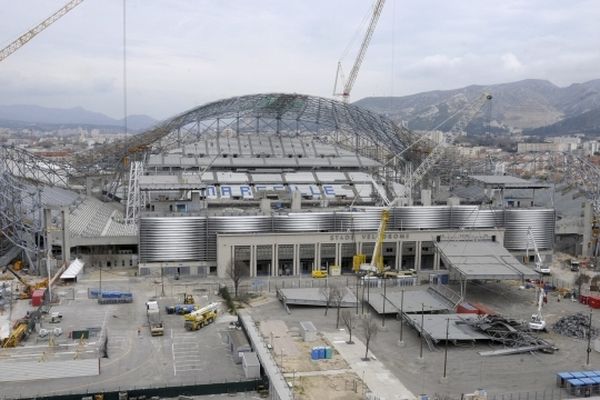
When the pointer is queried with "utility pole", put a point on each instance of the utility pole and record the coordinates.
(162, 281)
(422, 323)
(363, 297)
(357, 283)
(444, 377)
(100, 283)
(402, 319)
(589, 344)
(384, 300)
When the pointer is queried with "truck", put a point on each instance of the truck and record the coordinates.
(154, 320)
(201, 317)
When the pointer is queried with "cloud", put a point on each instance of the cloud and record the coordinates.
(511, 62)
(183, 53)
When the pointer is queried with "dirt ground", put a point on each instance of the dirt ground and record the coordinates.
(345, 386)
(302, 361)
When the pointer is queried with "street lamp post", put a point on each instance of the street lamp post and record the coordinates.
(422, 323)
(446, 349)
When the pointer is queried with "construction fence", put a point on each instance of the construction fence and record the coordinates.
(162, 392)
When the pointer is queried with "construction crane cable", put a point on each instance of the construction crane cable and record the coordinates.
(27, 36)
(125, 66)
(359, 29)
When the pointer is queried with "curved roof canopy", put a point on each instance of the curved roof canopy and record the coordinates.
(329, 120)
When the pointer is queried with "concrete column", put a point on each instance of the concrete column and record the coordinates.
(418, 255)
(66, 238)
(253, 254)
(398, 263)
(318, 255)
(436, 260)
(275, 263)
(296, 262)
(338, 254)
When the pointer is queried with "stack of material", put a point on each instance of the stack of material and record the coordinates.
(575, 326)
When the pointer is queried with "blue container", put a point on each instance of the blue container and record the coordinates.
(328, 352)
(321, 352)
(444, 279)
(314, 353)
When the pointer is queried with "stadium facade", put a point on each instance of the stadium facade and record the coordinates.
(275, 183)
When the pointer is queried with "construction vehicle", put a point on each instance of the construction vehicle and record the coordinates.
(319, 272)
(466, 115)
(349, 83)
(181, 309)
(154, 320)
(28, 288)
(201, 317)
(19, 332)
(539, 265)
(376, 266)
(537, 322)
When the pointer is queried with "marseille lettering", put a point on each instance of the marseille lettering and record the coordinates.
(247, 192)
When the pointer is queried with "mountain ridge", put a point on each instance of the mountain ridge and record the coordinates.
(40, 115)
(528, 105)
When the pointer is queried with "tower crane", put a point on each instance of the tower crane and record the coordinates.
(347, 86)
(27, 36)
(468, 112)
(539, 264)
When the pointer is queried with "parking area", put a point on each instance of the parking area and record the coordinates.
(466, 369)
(134, 357)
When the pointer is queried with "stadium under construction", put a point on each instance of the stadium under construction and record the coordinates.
(279, 184)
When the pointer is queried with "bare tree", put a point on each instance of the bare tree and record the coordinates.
(236, 272)
(327, 293)
(349, 320)
(337, 297)
(370, 329)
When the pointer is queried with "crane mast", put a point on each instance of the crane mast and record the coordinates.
(27, 36)
(377, 8)
(469, 112)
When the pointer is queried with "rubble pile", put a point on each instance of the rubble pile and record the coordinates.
(575, 326)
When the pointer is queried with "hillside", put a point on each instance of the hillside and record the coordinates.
(31, 115)
(527, 104)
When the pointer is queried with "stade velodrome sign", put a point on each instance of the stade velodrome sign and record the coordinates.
(247, 191)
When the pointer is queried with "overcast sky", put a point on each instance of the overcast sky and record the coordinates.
(184, 53)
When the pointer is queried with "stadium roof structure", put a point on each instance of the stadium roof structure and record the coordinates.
(293, 115)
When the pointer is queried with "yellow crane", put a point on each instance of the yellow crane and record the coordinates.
(376, 266)
(30, 34)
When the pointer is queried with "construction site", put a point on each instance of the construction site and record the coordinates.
(282, 246)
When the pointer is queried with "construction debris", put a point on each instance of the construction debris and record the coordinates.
(511, 334)
(575, 326)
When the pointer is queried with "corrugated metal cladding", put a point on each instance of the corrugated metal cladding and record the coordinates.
(195, 238)
(172, 239)
(518, 221)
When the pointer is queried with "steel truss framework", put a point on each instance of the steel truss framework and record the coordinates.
(314, 118)
(21, 216)
(351, 127)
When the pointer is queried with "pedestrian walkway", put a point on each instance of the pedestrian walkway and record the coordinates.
(380, 381)
(317, 373)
